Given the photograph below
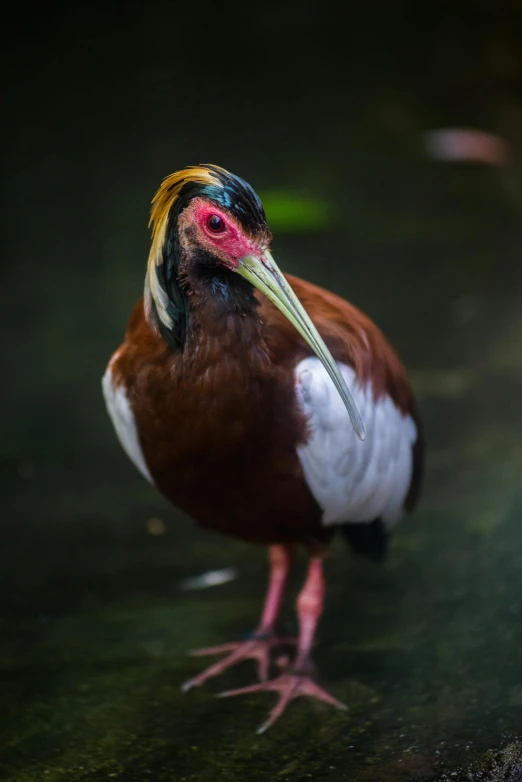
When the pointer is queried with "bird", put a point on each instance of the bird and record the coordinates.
(263, 406)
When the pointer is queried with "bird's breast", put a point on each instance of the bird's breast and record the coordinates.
(218, 434)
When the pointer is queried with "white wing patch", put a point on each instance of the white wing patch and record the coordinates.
(353, 480)
(122, 418)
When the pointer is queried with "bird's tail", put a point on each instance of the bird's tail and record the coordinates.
(368, 539)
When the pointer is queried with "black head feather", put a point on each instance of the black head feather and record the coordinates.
(227, 191)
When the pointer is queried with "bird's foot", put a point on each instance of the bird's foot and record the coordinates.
(289, 685)
(258, 647)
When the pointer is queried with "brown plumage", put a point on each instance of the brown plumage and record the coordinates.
(208, 368)
(229, 409)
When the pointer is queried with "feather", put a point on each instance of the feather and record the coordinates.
(352, 480)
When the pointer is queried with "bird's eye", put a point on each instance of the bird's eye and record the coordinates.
(216, 224)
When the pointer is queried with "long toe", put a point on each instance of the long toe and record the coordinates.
(209, 651)
(289, 686)
(255, 648)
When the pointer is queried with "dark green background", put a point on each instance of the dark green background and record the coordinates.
(328, 103)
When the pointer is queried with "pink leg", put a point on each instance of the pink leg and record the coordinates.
(263, 639)
(298, 681)
(281, 559)
(310, 603)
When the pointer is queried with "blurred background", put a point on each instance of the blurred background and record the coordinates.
(385, 141)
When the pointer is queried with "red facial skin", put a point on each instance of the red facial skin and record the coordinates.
(229, 245)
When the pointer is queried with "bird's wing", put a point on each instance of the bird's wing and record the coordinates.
(353, 480)
(122, 416)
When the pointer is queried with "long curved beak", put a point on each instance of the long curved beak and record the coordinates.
(265, 275)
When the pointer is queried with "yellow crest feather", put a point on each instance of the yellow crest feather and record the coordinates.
(162, 203)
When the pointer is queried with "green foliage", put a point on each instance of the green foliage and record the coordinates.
(295, 212)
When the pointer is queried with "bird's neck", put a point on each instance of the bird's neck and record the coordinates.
(224, 322)
(212, 309)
